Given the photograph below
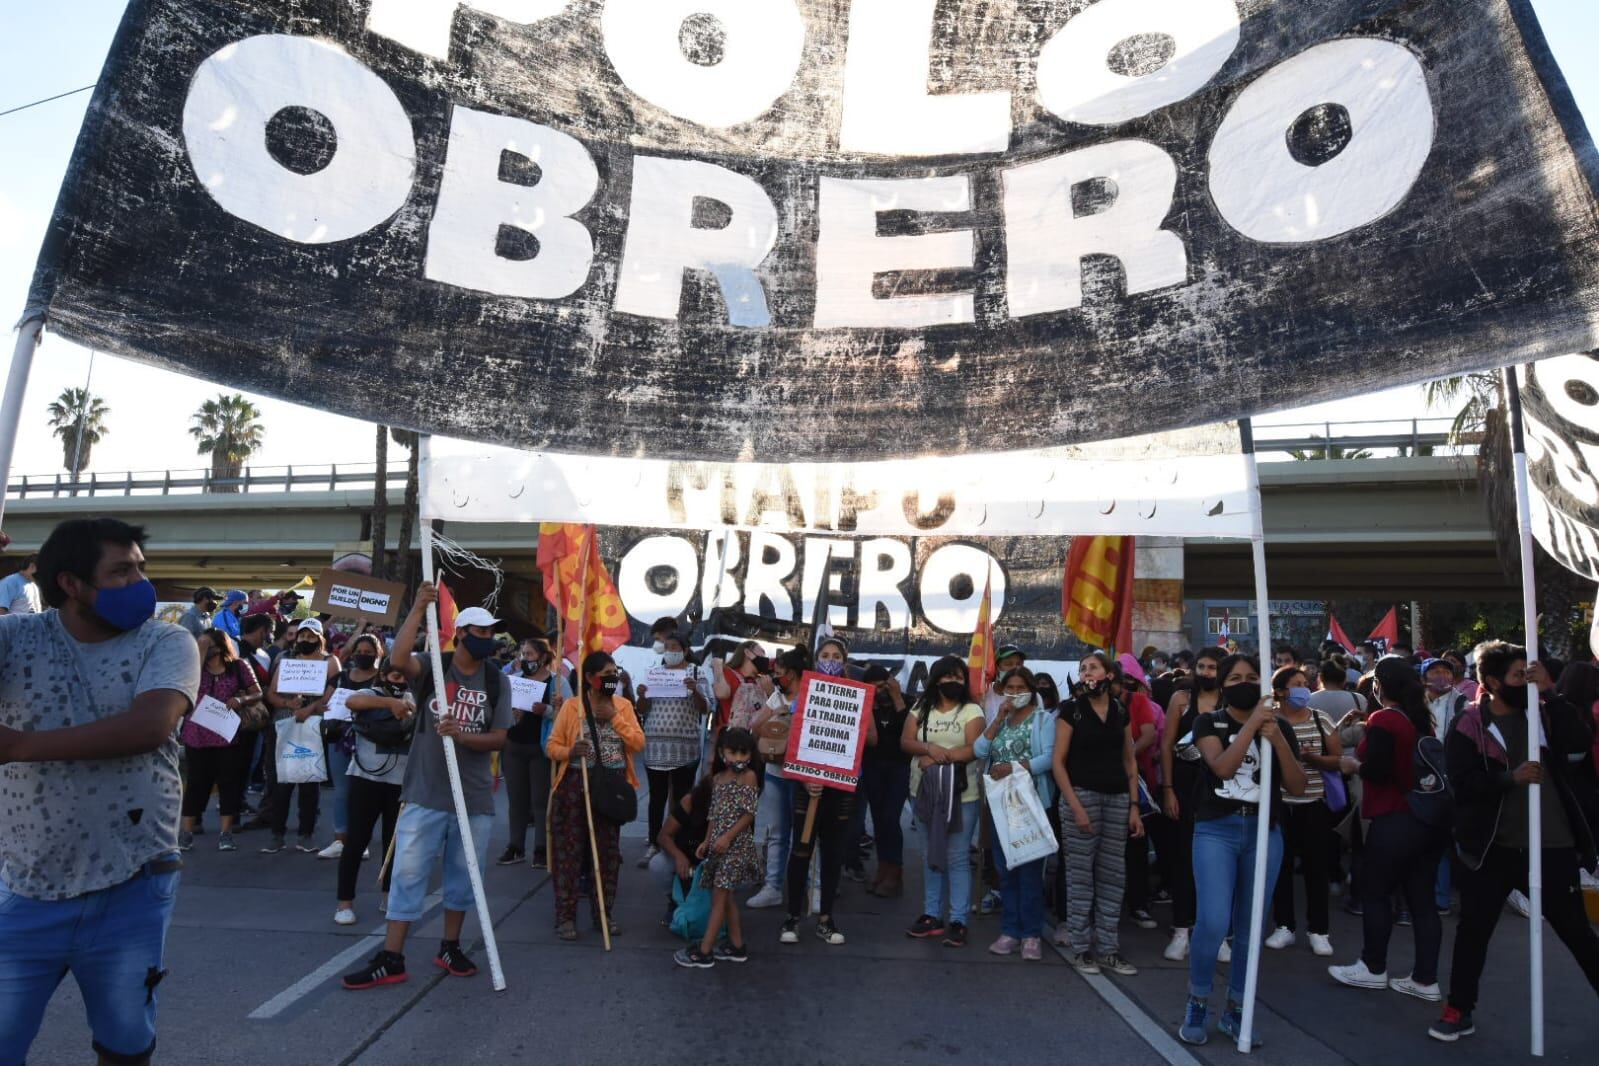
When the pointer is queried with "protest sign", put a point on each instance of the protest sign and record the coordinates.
(302, 677)
(802, 230)
(338, 709)
(212, 714)
(665, 684)
(827, 739)
(525, 692)
(346, 595)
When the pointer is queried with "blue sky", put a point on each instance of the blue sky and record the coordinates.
(47, 48)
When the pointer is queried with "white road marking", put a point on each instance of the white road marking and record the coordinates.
(1152, 1032)
(367, 945)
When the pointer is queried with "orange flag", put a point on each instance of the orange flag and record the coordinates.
(447, 613)
(581, 591)
(980, 666)
(1097, 594)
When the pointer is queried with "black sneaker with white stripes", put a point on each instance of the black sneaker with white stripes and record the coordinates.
(453, 961)
(386, 968)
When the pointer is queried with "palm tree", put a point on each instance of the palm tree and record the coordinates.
(406, 438)
(229, 429)
(1483, 417)
(1326, 451)
(380, 507)
(79, 420)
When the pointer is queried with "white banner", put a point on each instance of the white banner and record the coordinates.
(1190, 484)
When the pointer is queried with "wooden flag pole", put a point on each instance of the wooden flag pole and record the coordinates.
(588, 805)
(451, 763)
(1529, 607)
(1259, 893)
(388, 856)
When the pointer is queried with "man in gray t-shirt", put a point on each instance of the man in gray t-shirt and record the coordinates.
(472, 712)
(91, 694)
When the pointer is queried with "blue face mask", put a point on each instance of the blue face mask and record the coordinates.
(480, 648)
(127, 607)
(831, 667)
(1299, 696)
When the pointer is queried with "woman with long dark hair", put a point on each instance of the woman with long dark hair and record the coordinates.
(1020, 740)
(1401, 851)
(1181, 774)
(598, 716)
(1307, 820)
(210, 760)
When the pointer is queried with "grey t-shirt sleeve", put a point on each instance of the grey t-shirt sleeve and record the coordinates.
(173, 662)
(503, 717)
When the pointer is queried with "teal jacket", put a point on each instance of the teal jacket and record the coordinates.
(1043, 748)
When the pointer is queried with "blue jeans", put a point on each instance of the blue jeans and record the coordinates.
(339, 770)
(1021, 891)
(111, 941)
(1224, 879)
(421, 836)
(953, 884)
(774, 823)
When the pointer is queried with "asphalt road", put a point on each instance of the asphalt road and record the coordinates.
(254, 958)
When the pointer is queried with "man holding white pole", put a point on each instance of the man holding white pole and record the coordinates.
(474, 714)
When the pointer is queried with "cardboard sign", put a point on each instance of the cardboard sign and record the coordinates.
(212, 714)
(346, 595)
(338, 709)
(525, 692)
(665, 684)
(827, 740)
(302, 677)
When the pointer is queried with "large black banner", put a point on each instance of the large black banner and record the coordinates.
(825, 229)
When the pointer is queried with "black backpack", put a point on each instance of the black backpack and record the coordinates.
(1429, 798)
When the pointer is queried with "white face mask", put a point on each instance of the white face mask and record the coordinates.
(1020, 699)
(673, 658)
(658, 648)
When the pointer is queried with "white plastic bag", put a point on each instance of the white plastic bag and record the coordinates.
(1019, 821)
(300, 756)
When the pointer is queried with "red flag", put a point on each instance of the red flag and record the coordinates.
(980, 665)
(1336, 632)
(581, 591)
(447, 613)
(1387, 631)
(1097, 593)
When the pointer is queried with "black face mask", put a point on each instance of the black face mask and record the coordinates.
(954, 691)
(1096, 689)
(306, 647)
(1205, 684)
(1515, 695)
(1242, 696)
(363, 662)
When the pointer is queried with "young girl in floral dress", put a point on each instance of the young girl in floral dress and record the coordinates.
(731, 860)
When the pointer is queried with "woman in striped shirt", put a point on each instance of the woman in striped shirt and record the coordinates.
(1307, 820)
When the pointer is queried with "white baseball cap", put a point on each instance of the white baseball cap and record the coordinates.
(313, 624)
(475, 616)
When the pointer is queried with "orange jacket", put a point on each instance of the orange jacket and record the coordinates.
(570, 727)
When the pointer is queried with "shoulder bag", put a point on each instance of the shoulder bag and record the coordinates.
(610, 793)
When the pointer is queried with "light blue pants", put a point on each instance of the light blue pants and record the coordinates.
(1224, 877)
(774, 821)
(339, 771)
(952, 886)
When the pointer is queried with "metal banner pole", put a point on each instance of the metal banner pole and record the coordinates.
(11, 407)
(1258, 893)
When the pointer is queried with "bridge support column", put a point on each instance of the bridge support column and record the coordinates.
(1158, 595)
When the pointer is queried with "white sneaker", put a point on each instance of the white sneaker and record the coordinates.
(1320, 945)
(1355, 975)
(344, 916)
(1177, 950)
(649, 853)
(1225, 955)
(1589, 882)
(366, 853)
(1280, 938)
(1404, 985)
(1521, 904)
(766, 897)
(332, 851)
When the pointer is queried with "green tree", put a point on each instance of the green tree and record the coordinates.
(380, 507)
(79, 420)
(229, 430)
(1328, 451)
(405, 438)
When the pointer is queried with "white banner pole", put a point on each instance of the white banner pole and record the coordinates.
(463, 823)
(1258, 893)
(1529, 609)
(11, 407)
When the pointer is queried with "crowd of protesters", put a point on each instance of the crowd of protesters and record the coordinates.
(1398, 781)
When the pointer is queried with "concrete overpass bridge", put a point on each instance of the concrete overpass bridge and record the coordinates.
(1400, 527)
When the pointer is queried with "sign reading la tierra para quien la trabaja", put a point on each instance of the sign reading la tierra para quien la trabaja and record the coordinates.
(827, 739)
(825, 230)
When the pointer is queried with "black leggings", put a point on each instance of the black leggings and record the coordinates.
(221, 768)
(368, 801)
(1307, 835)
(834, 812)
(310, 802)
(1184, 899)
(1402, 853)
(668, 784)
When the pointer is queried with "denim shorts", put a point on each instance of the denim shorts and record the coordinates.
(421, 836)
(111, 942)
